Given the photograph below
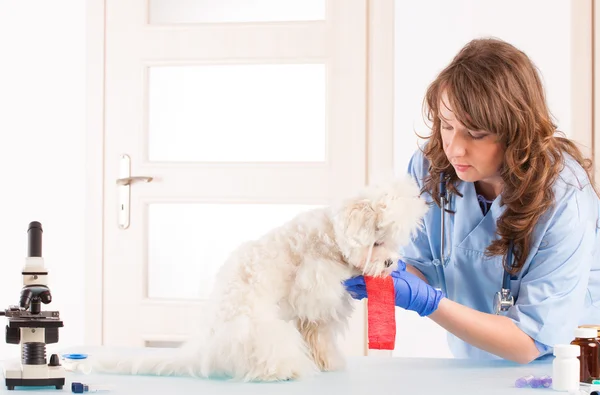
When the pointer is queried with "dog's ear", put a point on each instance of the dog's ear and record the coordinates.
(403, 208)
(397, 196)
(404, 187)
(357, 220)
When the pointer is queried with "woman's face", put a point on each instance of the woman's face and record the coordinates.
(475, 154)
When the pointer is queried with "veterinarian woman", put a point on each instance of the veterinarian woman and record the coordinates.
(515, 189)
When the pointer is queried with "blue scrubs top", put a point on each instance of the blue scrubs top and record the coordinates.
(557, 289)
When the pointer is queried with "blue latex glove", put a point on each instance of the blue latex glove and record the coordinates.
(410, 292)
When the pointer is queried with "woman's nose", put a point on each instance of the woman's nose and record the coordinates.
(455, 145)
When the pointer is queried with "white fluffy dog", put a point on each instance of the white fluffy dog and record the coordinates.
(279, 303)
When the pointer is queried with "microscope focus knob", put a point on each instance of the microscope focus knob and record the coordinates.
(51, 336)
(13, 335)
(54, 361)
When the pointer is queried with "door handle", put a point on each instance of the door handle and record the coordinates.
(124, 190)
(131, 180)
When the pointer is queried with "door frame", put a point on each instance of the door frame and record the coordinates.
(594, 8)
(94, 162)
(379, 124)
(583, 67)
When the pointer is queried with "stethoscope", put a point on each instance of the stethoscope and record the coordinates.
(503, 299)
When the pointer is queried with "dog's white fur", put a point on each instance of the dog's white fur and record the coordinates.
(279, 304)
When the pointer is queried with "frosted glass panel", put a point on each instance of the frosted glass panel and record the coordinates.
(217, 11)
(187, 243)
(237, 113)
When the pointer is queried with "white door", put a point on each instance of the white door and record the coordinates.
(243, 114)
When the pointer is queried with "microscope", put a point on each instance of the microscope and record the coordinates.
(31, 327)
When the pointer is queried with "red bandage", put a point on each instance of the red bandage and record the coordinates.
(381, 313)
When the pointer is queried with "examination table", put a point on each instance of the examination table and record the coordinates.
(363, 375)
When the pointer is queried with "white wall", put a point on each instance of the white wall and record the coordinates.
(42, 157)
(428, 34)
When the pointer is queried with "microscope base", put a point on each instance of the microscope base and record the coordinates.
(53, 382)
(18, 375)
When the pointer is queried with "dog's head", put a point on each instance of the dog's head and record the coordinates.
(371, 228)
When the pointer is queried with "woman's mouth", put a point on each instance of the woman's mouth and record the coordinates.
(462, 168)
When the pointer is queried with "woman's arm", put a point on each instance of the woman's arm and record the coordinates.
(489, 332)
(495, 334)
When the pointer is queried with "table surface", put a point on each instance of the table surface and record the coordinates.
(363, 375)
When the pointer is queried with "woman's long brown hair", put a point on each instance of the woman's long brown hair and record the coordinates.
(493, 86)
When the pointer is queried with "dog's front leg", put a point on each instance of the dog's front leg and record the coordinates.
(321, 341)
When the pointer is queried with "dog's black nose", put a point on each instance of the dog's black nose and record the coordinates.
(389, 263)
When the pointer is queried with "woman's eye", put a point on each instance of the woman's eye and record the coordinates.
(477, 136)
(377, 243)
(444, 127)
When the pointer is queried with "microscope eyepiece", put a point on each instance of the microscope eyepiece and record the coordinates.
(35, 239)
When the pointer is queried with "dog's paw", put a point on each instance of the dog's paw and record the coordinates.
(284, 370)
(330, 362)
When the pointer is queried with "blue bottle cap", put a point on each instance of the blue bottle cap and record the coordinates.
(75, 356)
(77, 388)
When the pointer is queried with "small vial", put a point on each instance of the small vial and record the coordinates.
(536, 382)
(565, 367)
(546, 381)
(589, 368)
(80, 388)
(524, 381)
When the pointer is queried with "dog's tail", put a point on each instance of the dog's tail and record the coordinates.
(170, 363)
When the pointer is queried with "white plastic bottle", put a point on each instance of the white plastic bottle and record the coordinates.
(565, 368)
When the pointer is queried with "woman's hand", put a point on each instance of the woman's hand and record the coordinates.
(410, 292)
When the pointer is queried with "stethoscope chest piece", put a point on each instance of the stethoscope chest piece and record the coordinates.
(503, 301)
